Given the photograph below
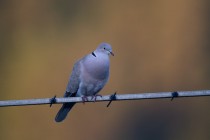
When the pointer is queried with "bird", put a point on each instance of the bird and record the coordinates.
(89, 75)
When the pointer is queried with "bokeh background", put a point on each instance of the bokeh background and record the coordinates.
(159, 46)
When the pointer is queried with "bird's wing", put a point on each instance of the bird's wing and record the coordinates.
(74, 80)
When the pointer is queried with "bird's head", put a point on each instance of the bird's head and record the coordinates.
(105, 48)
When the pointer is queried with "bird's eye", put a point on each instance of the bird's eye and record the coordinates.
(104, 48)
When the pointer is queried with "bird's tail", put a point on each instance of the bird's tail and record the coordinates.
(62, 113)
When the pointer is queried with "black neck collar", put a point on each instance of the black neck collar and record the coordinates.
(93, 54)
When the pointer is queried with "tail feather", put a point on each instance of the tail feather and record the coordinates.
(62, 113)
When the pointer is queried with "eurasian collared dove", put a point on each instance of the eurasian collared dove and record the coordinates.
(89, 76)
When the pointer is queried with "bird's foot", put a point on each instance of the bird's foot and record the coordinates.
(95, 96)
(84, 99)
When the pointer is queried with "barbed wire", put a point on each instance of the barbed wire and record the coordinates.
(110, 98)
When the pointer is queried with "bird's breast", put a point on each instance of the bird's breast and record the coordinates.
(97, 67)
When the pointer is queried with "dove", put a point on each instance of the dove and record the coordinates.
(89, 75)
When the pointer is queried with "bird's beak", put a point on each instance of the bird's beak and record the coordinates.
(112, 53)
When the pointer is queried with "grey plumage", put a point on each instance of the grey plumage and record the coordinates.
(89, 76)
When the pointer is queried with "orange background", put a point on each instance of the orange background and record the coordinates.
(159, 46)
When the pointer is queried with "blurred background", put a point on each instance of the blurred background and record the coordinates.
(159, 46)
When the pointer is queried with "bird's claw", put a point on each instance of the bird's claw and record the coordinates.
(84, 99)
(95, 96)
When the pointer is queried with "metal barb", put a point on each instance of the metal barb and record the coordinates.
(52, 100)
(174, 95)
(112, 97)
